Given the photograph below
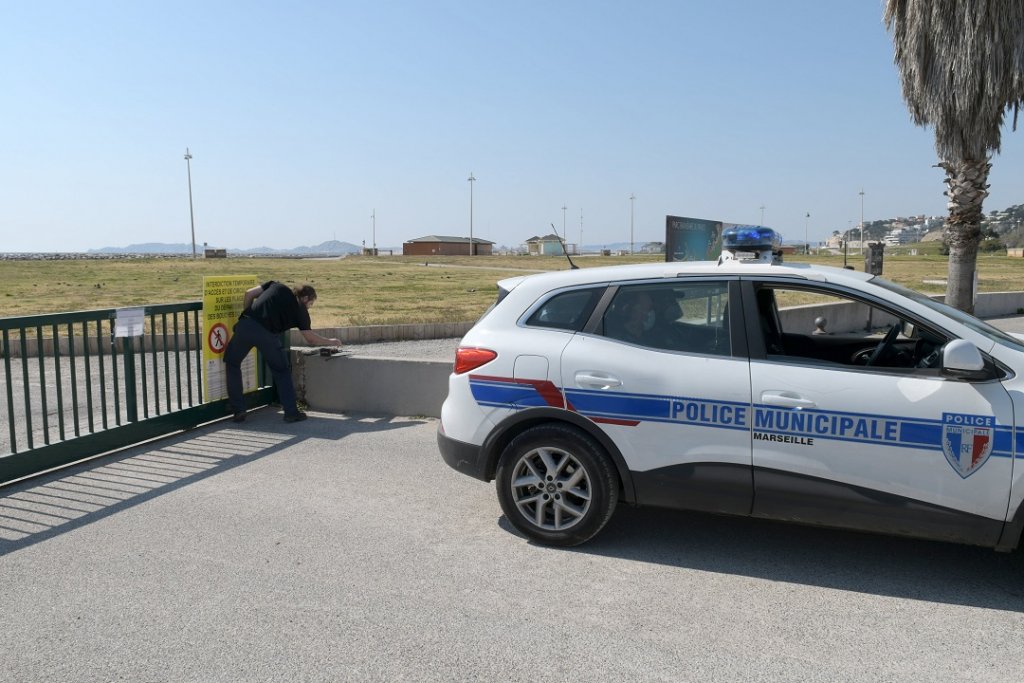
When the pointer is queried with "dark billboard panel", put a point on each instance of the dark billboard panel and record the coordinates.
(693, 239)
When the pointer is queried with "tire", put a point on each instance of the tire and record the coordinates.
(556, 485)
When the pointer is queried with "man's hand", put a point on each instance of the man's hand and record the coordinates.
(314, 339)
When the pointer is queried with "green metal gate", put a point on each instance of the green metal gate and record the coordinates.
(73, 390)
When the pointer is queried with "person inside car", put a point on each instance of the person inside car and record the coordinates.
(639, 317)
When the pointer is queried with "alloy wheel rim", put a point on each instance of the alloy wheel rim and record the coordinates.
(551, 488)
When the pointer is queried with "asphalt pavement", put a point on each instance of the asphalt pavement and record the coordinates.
(1010, 323)
(343, 548)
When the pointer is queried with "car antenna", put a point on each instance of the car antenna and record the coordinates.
(572, 266)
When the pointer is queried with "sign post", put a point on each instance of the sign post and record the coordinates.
(223, 296)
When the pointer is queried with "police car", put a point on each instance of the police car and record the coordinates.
(748, 387)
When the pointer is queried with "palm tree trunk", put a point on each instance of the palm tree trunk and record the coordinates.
(967, 187)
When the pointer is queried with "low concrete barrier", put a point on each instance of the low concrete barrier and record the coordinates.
(374, 385)
(368, 334)
(94, 345)
(853, 317)
(840, 318)
(997, 304)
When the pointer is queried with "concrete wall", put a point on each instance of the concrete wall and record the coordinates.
(367, 334)
(853, 317)
(371, 385)
(996, 304)
(64, 344)
(839, 318)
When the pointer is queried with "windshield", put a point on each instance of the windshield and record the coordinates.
(965, 319)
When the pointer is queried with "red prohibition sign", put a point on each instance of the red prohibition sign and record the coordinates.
(218, 338)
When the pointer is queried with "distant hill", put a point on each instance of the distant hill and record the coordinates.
(328, 248)
(616, 246)
(147, 248)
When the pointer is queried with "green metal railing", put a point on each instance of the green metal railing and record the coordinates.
(73, 390)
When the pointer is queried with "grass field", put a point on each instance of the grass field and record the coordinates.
(373, 290)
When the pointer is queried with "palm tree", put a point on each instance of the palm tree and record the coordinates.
(961, 64)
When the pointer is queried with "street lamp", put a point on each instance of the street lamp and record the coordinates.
(632, 198)
(471, 179)
(565, 235)
(373, 217)
(191, 214)
(580, 250)
(807, 241)
(862, 221)
(762, 214)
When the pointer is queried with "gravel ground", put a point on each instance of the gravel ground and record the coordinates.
(425, 349)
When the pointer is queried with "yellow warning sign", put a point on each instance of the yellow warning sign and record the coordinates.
(223, 296)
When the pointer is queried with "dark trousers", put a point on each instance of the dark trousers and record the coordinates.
(249, 334)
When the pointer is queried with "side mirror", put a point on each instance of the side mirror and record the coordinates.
(962, 360)
(909, 329)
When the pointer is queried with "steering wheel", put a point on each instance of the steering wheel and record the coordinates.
(883, 346)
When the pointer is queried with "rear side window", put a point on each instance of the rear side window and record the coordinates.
(567, 310)
(687, 317)
(502, 293)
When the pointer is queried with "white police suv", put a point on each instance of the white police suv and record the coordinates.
(747, 387)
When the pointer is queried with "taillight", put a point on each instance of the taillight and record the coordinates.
(469, 358)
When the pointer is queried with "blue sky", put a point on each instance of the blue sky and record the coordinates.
(304, 117)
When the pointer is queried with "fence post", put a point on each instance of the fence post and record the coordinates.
(130, 396)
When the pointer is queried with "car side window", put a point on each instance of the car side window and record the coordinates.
(808, 325)
(683, 317)
(566, 310)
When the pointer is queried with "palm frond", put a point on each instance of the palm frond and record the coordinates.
(961, 66)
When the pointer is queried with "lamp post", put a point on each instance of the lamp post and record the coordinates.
(862, 221)
(565, 235)
(373, 217)
(191, 214)
(762, 215)
(580, 249)
(807, 241)
(471, 179)
(632, 198)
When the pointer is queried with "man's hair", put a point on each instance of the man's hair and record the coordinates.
(304, 290)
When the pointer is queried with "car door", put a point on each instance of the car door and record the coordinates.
(663, 370)
(888, 447)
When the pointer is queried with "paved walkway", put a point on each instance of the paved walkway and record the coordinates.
(1012, 323)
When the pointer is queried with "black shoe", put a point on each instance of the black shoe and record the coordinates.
(239, 416)
(295, 417)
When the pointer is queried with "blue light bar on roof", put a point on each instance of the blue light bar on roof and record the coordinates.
(750, 238)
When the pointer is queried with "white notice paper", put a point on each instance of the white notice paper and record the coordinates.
(129, 321)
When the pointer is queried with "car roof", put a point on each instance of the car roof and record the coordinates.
(647, 271)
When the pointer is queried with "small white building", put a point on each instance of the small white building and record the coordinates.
(549, 245)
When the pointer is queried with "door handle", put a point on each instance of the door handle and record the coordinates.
(786, 399)
(596, 380)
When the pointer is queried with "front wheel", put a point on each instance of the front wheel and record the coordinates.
(556, 485)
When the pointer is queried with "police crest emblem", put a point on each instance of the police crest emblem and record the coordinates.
(967, 441)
